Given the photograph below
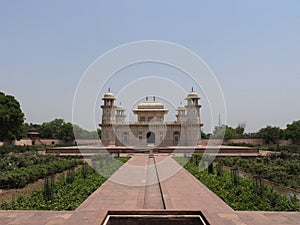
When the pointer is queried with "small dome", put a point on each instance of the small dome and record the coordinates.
(109, 95)
(150, 105)
(192, 95)
(120, 108)
(180, 108)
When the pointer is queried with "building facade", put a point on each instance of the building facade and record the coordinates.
(150, 128)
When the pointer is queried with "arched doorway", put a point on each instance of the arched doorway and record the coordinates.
(150, 138)
(176, 137)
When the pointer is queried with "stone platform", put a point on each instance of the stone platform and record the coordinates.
(152, 184)
(218, 150)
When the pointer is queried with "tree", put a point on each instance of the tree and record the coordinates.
(231, 133)
(51, 129)
(240, 129)
(57, 129)
(99, 133)
(25, 128)
(225, 132)
(219, 132)
(85, 134)
(203, 135)
(11, 118)
(65, 133)
(270, 134)
(293, 131)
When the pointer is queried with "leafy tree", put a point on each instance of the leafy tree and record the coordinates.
(51, 129)
(225, 131)
(11, 118)
(250, 135)
(59, 129)
(240, 129)
(270, 134)
(25, 128)
(65, 133)
(293, 131)
(45, 131)
(231, 133)
(84, 134)
(219, 131)
(55, 127)
(99, 133)
(203, 135)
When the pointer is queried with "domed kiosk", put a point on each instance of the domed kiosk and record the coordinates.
(150, 111)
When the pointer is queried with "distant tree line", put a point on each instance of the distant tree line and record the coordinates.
(59, 129)
(56, 129)
(271, 134)
(227, 132)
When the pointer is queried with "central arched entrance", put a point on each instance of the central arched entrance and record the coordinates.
(150, 137)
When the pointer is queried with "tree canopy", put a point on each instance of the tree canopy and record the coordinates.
(84, 134)
(227, 132)
(293, 131)
(11, 118)
(270, 134)
(56, 129)
(59, 129)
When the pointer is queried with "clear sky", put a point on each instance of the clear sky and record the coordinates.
(253, 47)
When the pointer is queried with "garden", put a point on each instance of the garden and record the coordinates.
(282, 168)
(238, 192)
(66, 192)
(19, 168)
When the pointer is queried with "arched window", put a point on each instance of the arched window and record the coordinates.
(125, 138)
(150, 138)
(176, 136)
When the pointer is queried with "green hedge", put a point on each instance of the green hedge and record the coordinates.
(19, 177)
(242, 196)
(282, 168)
(19, 149)
(66, 195)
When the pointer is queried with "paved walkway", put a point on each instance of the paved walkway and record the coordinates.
(134, 187)
(22, 217)
(179, 189)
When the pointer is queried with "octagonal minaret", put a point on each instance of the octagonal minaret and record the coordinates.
(193, 121)
(108, 119)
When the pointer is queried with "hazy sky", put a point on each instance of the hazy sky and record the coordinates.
(253, 47)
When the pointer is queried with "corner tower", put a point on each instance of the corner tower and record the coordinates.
(108, 119)
(181, 116)
(193, 121)
(120, 114)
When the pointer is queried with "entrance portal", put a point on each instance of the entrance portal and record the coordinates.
(150, 138)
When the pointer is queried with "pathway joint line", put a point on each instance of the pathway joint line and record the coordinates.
(159, 185)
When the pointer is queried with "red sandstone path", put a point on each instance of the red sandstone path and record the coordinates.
(177, 190)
